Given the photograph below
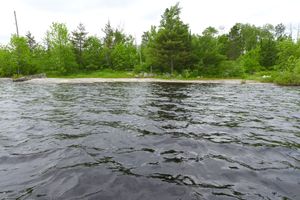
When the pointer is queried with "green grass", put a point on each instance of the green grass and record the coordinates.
(287, 79)
(178, 77)
(263, 76)
(94, 74)
(279, 78)
(108, 73)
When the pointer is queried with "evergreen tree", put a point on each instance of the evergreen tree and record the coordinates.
(109, 35)
(78, 39)
(92, 55)
(268, 53)
(280, 32)
(206, 48)
(108, 43)
(113, 38)
(31, 41)
(235, 46)
(172, 44)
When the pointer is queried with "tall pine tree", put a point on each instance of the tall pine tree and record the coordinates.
(78, 40)
(172, 43)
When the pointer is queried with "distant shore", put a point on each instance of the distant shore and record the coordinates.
(140, 80)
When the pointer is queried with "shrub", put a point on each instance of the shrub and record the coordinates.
(231, 69)
(297, 67)
(140, 68)
(92, 67)
(287, 78)
(186, 73)
(250, 61)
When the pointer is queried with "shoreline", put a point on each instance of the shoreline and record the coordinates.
(139, 80)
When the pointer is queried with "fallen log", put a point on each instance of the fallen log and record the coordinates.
(27, 78)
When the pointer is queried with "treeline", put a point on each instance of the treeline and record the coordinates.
(62, 52)
(169, 48)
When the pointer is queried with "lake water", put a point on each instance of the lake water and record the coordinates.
(149, 141)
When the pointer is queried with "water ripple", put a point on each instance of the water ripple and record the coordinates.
(149, 141)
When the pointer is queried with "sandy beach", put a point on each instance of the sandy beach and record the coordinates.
(138, 80)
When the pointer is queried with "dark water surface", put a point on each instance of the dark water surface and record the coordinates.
(149, 141)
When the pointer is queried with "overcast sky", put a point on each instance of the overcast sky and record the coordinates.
(136, 16)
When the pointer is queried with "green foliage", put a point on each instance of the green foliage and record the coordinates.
(8, 64)
(60, 49)
(280, 32)
(140, 68)
(296, 69)
(288, 53)
(206, 49)
(250, 61)
(112, 38)
(148, 48)
(250, 34)
(225, 69)
(268, 53)
(287, 78)
(170, 47)
(235, 42)
(231, 69)
(78, 39)
(21, 54)
(93, 56)
(280, 77)
(40, 58)
(243, 38)
(31, 41)
(124, 56)
(16, 76)
(106, 73)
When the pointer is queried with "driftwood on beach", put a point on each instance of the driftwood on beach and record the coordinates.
(27, 78)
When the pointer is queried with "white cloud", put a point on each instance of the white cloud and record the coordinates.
(136, 16)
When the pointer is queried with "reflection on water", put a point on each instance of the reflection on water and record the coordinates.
(149, 141)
